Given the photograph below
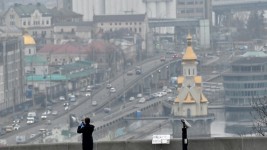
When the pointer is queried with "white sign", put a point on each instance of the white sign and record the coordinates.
(161, 139)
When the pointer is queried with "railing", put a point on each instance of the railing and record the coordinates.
(230, 143)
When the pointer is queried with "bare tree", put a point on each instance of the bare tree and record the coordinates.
(259, 114)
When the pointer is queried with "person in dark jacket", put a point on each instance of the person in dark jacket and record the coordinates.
(87, 130)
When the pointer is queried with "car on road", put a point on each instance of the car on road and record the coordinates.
(66, 108)
(44, 115)
(16, 121)
(62, 98)
(88, 94)
(16, 127)
(139, 95)
(142, 100)
(131, 98)
(94, 103)
(54, 113)
(130, 73)
(112, 90)
(65, 104)
(107, 110)
(162, 58)
(108, 86)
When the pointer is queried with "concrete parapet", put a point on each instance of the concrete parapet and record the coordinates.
(231, 143)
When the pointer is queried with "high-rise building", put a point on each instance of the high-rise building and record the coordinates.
(11, 74)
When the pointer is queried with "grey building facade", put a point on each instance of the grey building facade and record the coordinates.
(11, 74)
(246, 81)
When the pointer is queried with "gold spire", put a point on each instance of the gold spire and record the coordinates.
(189, 52)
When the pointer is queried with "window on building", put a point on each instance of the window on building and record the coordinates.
(126, 23)
(24, 23)
(188, 113)
(140, 30)
(135, 30)
(47, 22)
(190, 10)
(61, 30)
(29, 23)
(115, 23)
(190, 2)
(102, 24)
(30, 51)
(119, 23)
(111, 24)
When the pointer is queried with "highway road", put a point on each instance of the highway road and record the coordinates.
(84, 105)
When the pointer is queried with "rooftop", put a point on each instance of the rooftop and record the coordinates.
(35, 59)
(27, 10)
(122, 18)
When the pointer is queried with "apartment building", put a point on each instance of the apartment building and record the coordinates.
(11, 75)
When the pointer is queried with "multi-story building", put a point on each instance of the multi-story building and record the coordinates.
(11, 74)
(200, 9)
(135, 23)
(37, 19)
(73, 31)
(246, 80)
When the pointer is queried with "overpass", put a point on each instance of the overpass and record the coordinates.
(243, 5)
(234, 143)
(165, 22)
(217, 7)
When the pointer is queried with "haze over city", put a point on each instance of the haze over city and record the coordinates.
(137, 68)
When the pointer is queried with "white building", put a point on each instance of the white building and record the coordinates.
(190, 101)
(153, 8)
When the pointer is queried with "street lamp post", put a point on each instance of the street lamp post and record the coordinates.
(184, 133)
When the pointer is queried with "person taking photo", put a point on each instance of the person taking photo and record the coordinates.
(87, 130)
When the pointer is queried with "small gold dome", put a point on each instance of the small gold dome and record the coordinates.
(28, 40)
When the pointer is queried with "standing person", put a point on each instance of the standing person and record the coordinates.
(87, 130)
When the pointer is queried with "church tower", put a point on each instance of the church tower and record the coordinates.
(190, 102)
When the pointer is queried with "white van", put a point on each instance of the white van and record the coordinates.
(72, 98)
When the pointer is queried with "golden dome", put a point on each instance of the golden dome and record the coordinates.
(198, 79)
(180, 80)
(28, 40)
